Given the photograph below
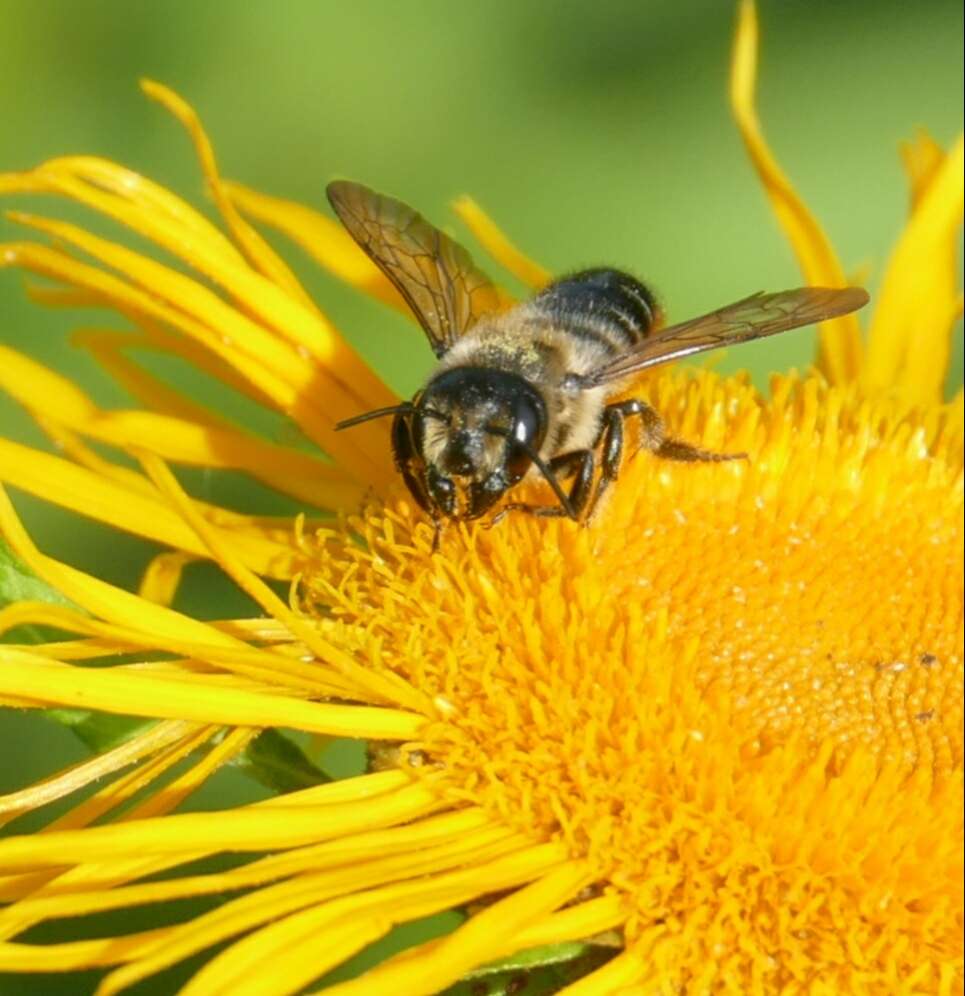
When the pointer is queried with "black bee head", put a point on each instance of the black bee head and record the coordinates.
(475, 431)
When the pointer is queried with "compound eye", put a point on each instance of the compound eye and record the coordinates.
(525, 437)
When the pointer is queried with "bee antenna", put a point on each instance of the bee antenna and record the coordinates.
(404, 408)
(348, 423)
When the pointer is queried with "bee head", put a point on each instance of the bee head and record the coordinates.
(480, 422)
(472, 434)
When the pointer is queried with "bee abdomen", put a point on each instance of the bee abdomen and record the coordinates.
(606, 305)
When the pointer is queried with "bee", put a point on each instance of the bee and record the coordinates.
(527, 390)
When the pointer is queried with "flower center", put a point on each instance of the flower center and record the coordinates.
(726, 648)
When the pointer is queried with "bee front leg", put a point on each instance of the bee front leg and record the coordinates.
(582, 464)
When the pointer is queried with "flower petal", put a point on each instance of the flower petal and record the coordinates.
(257, 250)
(909, 339)
(381, 682)
(79, 775)
(498, 245)
(54, 479)
(623, 974)
(249, 965)
(470, 825)
(250, 828)
(922, 157)
(323, 238)
(189, 442)
(104, 600)
(143, 694)
(317, 394)
(162, 577)
(839, 353)
(112, 872)
(574, 922)
(477, 941)
(73, 956)
(253, 668)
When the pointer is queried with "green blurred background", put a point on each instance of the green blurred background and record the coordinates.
(594, 133)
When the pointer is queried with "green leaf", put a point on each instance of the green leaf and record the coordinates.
(535, 971)
(19, 584)
(99, 731)
(279, 764)
(547, 954)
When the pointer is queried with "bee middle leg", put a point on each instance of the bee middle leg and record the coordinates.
(611, 437)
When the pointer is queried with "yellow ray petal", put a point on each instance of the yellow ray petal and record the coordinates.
(286, 925)
(66, 650)
(116, 872)
(922, 157)
(171, 796)
(324, 239)
(143, 694)
(274, 308)
(259, 253)
(404, 901)
(475, 942)
(108, 349)
(124, 788)
(909, 339)
(280, 531)
(110, 291)
(50, 477)
(279, 669)
(384, 684)
(79, 775)
(54, 479)
(499, 247)
(128, 187)
(109, 798)
(184, 441)
(106, 601)
(73, 956)
(249, 829)
(471, 826)
(574, 922)
(162, 577)
(840, 350)
(621, 975)
(98, 597)
(309, 392)
(302, 964)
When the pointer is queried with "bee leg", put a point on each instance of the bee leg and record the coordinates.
(579, 462)
(676, 449)
(611, 437)
(654, 440)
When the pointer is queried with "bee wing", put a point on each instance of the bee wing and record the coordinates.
(435, 275)
(752, 317)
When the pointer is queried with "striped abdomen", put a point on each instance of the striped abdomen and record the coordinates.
(604, 306)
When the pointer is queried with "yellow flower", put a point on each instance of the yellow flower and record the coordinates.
(724, 720)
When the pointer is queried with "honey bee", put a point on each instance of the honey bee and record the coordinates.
(528, 390)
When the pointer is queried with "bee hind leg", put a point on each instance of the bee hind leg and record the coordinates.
(654, 439)
(611, 438)
(676, 449)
